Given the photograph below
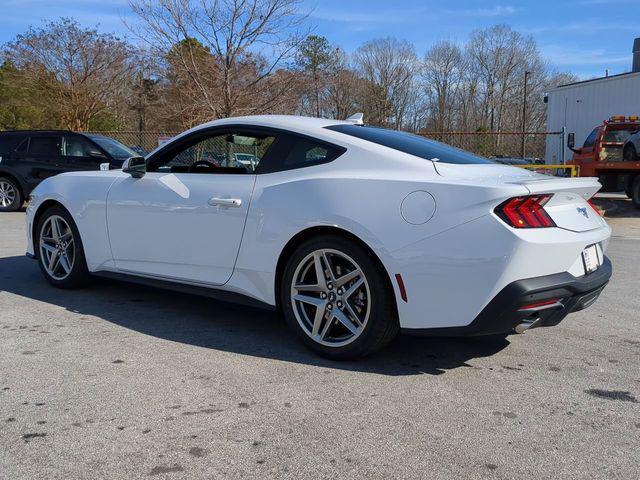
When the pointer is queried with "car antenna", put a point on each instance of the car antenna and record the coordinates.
(356, 119)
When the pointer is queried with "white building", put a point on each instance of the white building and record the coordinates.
(581, 106)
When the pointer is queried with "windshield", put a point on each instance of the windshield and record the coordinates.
(411, 144)
(113, 147)
(618, 136)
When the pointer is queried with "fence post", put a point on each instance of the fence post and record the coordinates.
(562, 142)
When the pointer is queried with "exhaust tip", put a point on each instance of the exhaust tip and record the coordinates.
(528, 325)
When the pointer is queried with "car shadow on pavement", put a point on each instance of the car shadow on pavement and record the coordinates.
(616, 206)
(208, 323)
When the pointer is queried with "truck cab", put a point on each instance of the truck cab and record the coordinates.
(601, 155)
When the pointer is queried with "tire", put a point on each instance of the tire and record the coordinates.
(11, 198)
(629, 154)
(60, 253)
(635, 192)
(323, 313)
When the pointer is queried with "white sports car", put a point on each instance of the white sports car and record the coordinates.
(353, 232)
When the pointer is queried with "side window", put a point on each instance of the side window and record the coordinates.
(591, 139)
(9, 142)
(75, 146)
(292, 152)
(307, 152)
(46, 145)
(222, 153)
(23, 146)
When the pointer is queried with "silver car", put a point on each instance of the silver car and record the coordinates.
(631, 147)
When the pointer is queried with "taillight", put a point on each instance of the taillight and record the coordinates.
(526, 212)
(594, 206)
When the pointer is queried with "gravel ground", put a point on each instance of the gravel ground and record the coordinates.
(122, 381)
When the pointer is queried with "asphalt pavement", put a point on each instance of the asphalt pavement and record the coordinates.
(122, 381)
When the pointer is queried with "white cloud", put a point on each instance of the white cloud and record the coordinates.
(497, 11)
(562, 56)
(587, 28)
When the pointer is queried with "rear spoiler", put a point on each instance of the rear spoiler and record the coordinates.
(586, 187)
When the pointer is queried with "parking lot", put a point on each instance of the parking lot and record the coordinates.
(123, 381)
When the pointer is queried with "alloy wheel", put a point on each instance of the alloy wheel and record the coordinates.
(7, 193)
(57, 247)
(330, 297)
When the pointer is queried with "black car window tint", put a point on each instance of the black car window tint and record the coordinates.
(45, 145)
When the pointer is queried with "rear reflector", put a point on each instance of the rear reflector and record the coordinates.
(539, 304)
(403, 292)
(526, 212)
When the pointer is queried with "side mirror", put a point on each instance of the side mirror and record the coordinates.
(135, 166)
(96, 154)
(571, 142)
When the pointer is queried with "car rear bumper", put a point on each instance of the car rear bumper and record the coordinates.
(530, 303)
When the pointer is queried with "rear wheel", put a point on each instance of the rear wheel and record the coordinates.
(10, 195)
(337, 299)
(628, 188)
(60, 252)
(635, 192)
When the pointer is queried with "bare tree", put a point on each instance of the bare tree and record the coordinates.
(237, 35)
(498, 58)
(343, 85)
(443, 75)
(80, 70)
(387, 66)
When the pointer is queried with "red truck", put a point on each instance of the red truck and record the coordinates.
(601, 156)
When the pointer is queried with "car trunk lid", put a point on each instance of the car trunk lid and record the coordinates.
(568, 207)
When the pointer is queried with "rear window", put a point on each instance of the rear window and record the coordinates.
(617, 136)
(9, 142)
(411, 144)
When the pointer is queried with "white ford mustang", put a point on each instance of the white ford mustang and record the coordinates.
(354, 232)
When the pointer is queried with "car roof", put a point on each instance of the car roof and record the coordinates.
(286, 122)
(293, 123)
(39, 131)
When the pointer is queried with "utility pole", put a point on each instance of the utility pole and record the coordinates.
(524, 113)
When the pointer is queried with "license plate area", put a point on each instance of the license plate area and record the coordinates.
(590, 259)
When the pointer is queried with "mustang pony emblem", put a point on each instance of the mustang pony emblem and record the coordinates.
(583, 211)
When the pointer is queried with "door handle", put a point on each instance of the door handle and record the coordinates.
(225, 202)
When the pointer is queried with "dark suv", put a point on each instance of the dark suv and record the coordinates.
(28, 156)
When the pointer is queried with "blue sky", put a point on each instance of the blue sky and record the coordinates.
(581, 36)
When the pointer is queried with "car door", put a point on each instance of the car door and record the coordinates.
(10, 160)
(184, 219)
(41, 155)
(586, 152)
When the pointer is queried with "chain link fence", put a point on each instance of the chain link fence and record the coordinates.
(487, 144)
(504, 144)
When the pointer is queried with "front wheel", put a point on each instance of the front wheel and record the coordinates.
(60, 252)
(338, 299)
(10, 195)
